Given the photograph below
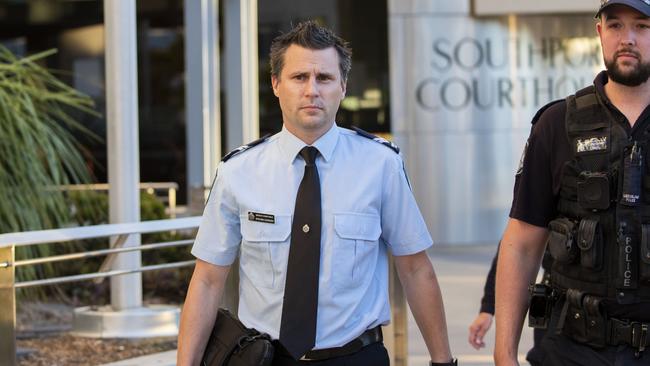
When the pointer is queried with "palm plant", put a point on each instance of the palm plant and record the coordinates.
(38, 150)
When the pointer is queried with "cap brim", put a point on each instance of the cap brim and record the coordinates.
(636, 5)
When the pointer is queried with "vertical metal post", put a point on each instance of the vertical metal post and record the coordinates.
(399, 349)
(7, 307)
(241, 78)
(123, 143)
(202, 106)
(171, 202)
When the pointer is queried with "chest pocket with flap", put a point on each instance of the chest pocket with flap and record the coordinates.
(355, 248)
(264, 250)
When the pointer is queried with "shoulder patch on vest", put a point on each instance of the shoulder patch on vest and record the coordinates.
(378, 139)
(243, 148)
(541, 111)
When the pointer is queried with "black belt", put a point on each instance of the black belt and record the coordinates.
(367, 338)
(634, 334)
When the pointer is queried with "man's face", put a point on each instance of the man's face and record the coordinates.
(309, 89)
(625, 39)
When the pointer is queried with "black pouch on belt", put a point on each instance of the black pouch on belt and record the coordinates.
(644, 264)
(582, 320)
(561, 242)
(596, 322)
(572, 319)
(590, 242)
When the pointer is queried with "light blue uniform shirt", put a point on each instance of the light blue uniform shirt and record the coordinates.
(367, 209)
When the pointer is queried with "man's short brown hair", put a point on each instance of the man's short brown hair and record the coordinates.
(310, 35)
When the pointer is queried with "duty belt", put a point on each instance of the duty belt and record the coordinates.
(367, 338)
(582, 319)
(634, 334)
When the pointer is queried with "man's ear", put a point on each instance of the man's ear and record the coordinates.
(274, 83)
(343, 88)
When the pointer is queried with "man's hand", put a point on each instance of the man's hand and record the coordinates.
(478, 328)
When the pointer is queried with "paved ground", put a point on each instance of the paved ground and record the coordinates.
(461, 272)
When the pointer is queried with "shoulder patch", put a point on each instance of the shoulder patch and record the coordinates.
(378, 139)
(243, 148)
(543, 109)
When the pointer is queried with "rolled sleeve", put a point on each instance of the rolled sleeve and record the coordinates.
(219, 236)
(403, 228)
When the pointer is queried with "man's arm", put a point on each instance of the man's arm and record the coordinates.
(200, 311)
(423, 295)
(519, 258)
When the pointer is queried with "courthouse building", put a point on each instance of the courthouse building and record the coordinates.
(454, 83)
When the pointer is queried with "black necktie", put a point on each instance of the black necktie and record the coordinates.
(298, 326)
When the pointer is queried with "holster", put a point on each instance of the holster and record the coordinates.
(541, 305)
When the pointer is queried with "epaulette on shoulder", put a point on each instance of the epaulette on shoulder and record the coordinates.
(243, 148)
(378, 139)
(543, 109)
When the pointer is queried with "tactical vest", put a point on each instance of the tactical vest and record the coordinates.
(600, 241)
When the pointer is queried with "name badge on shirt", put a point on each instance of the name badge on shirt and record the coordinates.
(591, 144)
(261, 217)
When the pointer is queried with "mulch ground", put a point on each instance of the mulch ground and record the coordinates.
(63, 349)
(43, 339)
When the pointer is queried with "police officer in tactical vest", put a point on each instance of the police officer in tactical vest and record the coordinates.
(584, 191)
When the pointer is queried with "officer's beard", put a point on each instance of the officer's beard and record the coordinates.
(636, 77)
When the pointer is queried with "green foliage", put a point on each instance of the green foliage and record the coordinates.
(38, 153)
(91, 207)
(37, 146)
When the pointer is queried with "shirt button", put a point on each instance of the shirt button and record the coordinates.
(305, 229)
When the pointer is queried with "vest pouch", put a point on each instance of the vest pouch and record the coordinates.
(561, 242)
(644, 264)
(593, 191)
(590, 242)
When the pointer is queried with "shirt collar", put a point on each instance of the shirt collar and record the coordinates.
(291, 145)
(599, 82)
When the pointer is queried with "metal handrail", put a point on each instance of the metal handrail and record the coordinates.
(8, 263)
(98, 253)
(96, 231)
(90, 276)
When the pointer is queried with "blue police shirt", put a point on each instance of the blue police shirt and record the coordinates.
(367, 209)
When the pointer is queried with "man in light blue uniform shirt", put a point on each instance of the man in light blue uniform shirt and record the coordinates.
(367, 210)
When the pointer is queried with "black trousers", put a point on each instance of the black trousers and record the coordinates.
(535, 355)
(559, 350)
(372, 355)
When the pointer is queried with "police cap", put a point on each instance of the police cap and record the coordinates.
(642, 6)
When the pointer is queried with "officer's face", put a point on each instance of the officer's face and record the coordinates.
(310, 90)
(625, 38)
